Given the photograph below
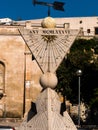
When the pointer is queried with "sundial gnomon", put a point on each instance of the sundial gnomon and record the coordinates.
(49, 46)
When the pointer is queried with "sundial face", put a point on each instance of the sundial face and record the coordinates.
(49, 38)
(49, 46)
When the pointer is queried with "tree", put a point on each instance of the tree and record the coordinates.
(82, 56)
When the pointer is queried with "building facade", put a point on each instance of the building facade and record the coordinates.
(19, 71)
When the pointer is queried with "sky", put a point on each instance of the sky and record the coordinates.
(25, 10)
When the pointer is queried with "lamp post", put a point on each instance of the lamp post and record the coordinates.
(79, 73)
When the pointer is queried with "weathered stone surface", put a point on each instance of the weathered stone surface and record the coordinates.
(16, 69)
(48, 115)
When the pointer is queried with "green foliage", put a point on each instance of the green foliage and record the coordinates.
(63, 79)
(81, 56)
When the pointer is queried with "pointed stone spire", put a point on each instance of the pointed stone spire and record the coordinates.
(48, 115)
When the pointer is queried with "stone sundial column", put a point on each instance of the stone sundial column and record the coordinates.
(49, 45)
(49, 79)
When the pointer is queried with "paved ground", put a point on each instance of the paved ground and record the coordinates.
(16, 123)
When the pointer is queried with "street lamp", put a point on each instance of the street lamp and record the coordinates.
(79, 73)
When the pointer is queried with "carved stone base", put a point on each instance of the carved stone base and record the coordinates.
(46, 114)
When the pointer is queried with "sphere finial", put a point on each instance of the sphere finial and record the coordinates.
(48, 80)
(48, 22)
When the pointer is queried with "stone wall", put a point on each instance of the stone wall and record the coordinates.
(19, 72)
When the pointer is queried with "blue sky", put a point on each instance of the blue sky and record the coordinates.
(25, 10)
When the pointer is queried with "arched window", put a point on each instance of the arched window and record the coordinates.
(2, 77)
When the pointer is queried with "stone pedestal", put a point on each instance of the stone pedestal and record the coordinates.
(45, 114)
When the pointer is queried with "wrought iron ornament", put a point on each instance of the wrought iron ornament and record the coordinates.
(56, 5)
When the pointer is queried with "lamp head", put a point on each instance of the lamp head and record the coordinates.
(79, 72)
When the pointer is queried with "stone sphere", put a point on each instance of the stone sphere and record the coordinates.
(48, 80)
(48, 22)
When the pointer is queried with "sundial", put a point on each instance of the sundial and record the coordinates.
(49, 46)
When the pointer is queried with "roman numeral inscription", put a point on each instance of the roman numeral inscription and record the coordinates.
(49, 46)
